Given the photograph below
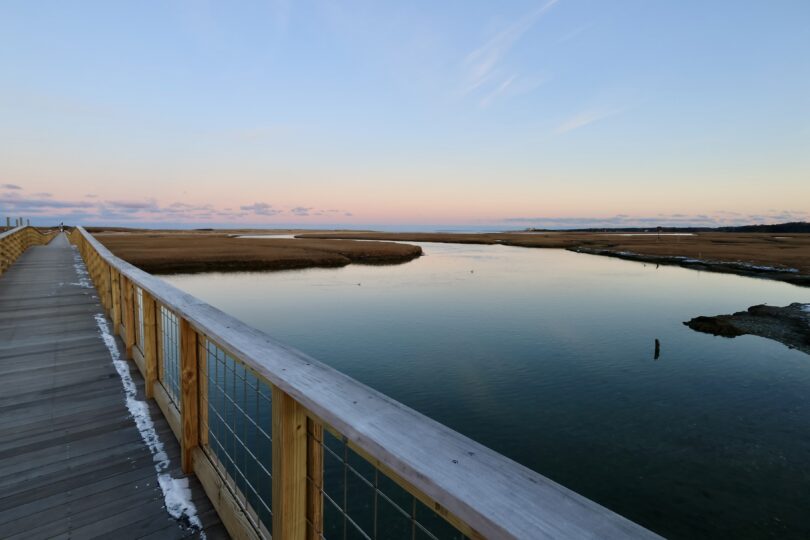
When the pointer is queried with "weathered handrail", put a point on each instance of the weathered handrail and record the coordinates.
(15, 241)
(479, 492)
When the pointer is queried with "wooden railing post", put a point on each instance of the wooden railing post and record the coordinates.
(289, 467)
(189, 399)
(150, 343)
(115, 305)
(106, 278)
(129, 315)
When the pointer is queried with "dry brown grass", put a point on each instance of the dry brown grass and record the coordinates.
(762, 249)
(161, 252)
(196, 251)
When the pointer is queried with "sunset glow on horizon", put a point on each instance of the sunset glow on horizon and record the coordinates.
(555, 114)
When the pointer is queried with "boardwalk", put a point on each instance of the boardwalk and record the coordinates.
(72, 461)
(280, 443)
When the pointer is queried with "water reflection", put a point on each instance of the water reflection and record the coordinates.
(544, 355)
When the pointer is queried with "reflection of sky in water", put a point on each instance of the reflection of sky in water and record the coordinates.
(547, 356)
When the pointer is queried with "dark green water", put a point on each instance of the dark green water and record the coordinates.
(547, 357)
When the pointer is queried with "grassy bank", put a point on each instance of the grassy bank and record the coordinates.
(783, 257)
(199, 251)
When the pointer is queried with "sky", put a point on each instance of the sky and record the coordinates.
(405, 115)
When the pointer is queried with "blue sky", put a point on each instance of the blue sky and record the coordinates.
(405, 114)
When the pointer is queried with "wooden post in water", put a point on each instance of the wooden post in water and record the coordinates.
(189, 404)
(150, 343)
(289, 467)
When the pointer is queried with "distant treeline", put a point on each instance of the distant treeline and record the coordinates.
(793, 227)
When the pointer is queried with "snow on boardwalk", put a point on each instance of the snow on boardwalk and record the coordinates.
(74, 462)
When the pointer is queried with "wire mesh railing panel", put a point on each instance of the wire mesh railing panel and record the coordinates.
(139, 318)
(239, 432)
(360, 501)
(170, 347)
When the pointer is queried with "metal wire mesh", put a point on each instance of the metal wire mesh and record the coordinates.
(361, 502)
(239, 412)
(170, 347)
(139, 318)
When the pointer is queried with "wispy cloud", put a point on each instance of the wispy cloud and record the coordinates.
(16, 204)
(587, 117)
(301, 210)
(512, 87)
(10, 186)
(261, 209)
(43, 206)
(572, 34)
(150, 204)
(481, 65)
(501, 89)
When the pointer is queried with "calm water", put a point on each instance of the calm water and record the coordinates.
(547, 357)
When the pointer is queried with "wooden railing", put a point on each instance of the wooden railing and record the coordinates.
(15, 241)
(287, 446)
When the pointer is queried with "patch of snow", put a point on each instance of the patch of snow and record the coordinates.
(81, 270)
(766, 268)
(806, 308)
(176, 493)
(177, 496)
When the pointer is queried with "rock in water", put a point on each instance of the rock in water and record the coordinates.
(789, 325)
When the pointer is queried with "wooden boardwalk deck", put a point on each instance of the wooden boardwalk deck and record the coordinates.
(72, 461)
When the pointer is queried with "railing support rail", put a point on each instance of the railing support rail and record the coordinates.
(15, 241)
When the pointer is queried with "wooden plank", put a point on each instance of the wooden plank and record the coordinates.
(189, 390)
(72, 460)
(493, 495)
(229, 510)
(289, 467)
